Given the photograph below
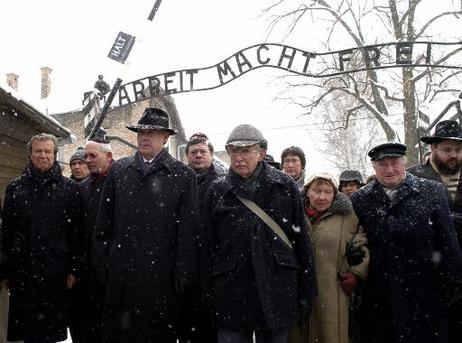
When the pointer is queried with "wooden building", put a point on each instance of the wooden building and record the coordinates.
(19, 121)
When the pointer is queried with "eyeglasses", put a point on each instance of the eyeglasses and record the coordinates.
(243, 151)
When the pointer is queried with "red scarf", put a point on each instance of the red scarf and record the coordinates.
(313, 215)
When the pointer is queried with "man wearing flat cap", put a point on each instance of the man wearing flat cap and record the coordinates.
(444, 166)
(413, 248)
(260, 273)
(145, 237)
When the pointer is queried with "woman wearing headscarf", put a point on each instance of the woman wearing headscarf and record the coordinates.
(341, 257)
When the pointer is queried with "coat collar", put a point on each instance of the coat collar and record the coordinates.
(54, 173)
(268, 175)
(409, 186)
(165, 160)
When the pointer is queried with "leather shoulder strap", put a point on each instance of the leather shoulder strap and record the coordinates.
(266, 219)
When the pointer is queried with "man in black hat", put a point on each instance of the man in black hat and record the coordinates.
(350, 181)
(413, 248)
(145, 237)
(444, 166)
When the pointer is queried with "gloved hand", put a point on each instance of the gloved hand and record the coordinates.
(181, 284)
(306, 306)
(354, 254)
(348, 281)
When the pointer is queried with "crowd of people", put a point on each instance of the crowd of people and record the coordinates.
(149, 249)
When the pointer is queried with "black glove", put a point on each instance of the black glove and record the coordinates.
(353, 254)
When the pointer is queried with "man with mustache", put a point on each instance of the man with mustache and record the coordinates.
(444, 165)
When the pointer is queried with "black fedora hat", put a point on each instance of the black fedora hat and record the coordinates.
(152, 119)
(446, 129)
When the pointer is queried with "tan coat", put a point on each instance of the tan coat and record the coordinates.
(329, 320)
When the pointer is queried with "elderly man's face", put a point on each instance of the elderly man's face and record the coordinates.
(390, 171)
(244, 160)
(292, 165)
(447, 156)
(151, 142)
(42, 155)
(199, 157)
(97, 159)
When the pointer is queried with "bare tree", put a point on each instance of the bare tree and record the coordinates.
(365, 22)
(344, 140)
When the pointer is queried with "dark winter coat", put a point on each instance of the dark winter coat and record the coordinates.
(87, 297)
(426, 171)
(41, 245)
(255, 280)
(205, 179)
(146, 231)
(414, 253)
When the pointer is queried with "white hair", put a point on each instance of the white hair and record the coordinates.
(105, 147)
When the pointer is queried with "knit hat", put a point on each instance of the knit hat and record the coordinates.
(294, 150)
(198, 138)
(79, 154)
(321, 176)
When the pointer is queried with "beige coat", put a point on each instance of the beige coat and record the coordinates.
(329, 320)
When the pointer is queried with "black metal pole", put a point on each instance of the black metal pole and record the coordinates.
(154, 10)
(108, 102)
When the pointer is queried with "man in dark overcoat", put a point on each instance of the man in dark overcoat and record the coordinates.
(413, 248)
(146, 237)
(261, 278)
(88, 294)
(41, 238)
(195, 316)
(444, 165)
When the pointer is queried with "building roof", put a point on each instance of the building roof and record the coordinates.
(44, 122)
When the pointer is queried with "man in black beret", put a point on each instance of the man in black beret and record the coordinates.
(413, 248)
(145, 237)
(293, 162)
(444, 165)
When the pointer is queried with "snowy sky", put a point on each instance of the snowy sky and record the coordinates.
(73, 38)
